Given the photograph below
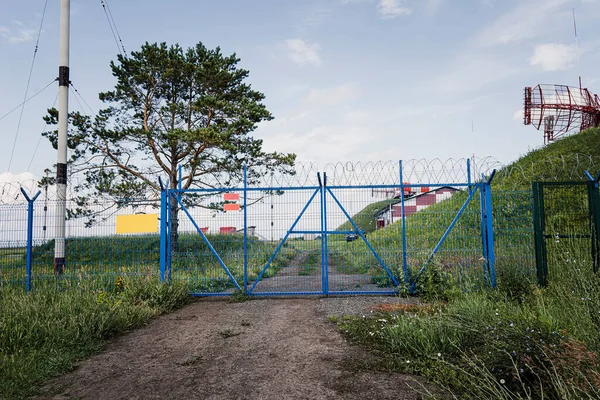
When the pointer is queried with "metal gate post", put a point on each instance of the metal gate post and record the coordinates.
(404, 246)
(245, 229)
(325, 263)
(483, 222)
(491, 254)
(321, 214)
(594, 206)
(163, 234)
(30, 202)
(169, 245)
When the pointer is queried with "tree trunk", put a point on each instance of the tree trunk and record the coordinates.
(174, 218)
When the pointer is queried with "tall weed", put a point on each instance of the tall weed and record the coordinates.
(44, 332)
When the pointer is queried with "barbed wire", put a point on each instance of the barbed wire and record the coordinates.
(570, 167)
(433, 172)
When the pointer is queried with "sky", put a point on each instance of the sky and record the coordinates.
(346, 80)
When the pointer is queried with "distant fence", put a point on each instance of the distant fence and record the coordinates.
(110, 246)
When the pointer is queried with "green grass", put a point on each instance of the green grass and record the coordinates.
(43, 333)
(517, 342)
(101, 259)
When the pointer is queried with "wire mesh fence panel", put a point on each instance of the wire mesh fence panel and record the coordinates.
(206, 242)
(567, 227)
(513, 229)
(287, 223)
(105, 244)
(13, 241)
(451, 227)
(359, 258)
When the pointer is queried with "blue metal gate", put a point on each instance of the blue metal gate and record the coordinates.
(325, 239)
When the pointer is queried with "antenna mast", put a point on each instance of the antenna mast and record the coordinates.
(63, 115)
(577, 49)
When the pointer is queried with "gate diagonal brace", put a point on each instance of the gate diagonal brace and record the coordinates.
(392, 277)
(443, 238)
(268, 264)
(212, 249)
(591, 178)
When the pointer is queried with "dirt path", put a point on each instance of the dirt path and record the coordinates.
(213, 349)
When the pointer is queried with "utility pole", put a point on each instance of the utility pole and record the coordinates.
(63, 115)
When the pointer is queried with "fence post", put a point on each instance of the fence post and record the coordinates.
(245, 229)
(326, 250)
(469, 175)
(594, 206)
(482, 189)
(404, 245)
(30, 202)
(541, 261)
(322, 196)
(491, 259)
(163, 231)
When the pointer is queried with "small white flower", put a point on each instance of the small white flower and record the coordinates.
(439, 354)
(511, 324)
(502, 381)
(408, 361)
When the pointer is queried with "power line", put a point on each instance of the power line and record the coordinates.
(40, 138)
(12, 153)
(17, 107)
(113, 28)
(77, 93)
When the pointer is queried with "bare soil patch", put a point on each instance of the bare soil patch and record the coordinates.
(259, 349)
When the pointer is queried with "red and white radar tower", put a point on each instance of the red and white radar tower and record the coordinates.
(560, 109)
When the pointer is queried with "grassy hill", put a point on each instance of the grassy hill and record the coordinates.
(565, 159)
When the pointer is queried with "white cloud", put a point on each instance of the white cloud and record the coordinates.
(518, 115)
(324, 143)
(312, 17)
(332, 96)
(11, 184)
(302, 52)
(472, 71)
(17, 33)
(528, 20)
(553, 56)
(432, 6)
(392, 8)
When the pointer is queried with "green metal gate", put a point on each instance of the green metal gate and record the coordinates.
(566, 215)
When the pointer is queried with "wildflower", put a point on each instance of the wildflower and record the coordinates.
(511, 324)
(502, 381)
(496, 313)
(439, 354)
(408, 361)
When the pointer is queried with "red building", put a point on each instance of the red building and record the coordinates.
(413, 204)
